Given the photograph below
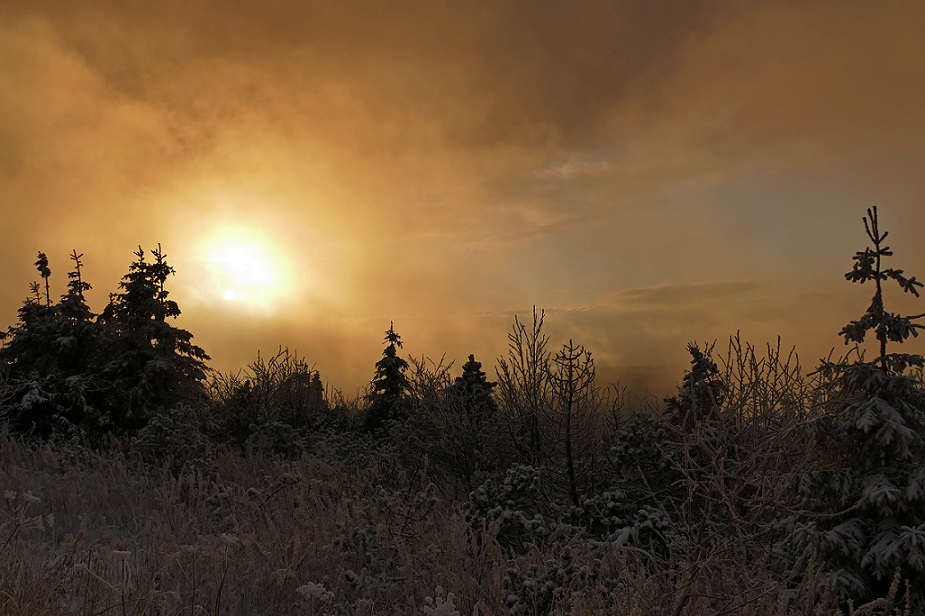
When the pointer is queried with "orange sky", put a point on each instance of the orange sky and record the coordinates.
(651, 173)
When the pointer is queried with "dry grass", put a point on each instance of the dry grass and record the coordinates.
(87, 534)
(259, 536)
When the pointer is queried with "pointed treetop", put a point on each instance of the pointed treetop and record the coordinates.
(41, 264)
(391, 336)
(887, 326)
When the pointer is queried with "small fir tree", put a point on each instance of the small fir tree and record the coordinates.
(462, 442)
(31, 340)
(871, 496)
(388, 386)
(76, 321)
(474, 391)
(28, 405)
(702, 390)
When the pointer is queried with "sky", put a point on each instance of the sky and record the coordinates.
(651, 173)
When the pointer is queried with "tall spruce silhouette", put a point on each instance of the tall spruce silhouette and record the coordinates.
(388, 385)
(155, 364)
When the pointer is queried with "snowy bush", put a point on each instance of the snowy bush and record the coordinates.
(175, 436)
(441, 604)
(516, 511)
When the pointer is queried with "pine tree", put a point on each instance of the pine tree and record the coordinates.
(28, 403)
(702, 390)
(48, 359)
(154, 365)
(70, 371)
(474, 391)
(871, 496)
(388, 386)
(76, 322)
(45, 272)
(32, 339)
(78, 345)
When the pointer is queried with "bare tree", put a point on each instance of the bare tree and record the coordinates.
(572, 381)
(524, 385)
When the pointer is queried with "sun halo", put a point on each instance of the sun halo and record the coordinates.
(245, 269)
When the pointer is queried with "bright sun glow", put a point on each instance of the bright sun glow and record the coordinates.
(245, 269)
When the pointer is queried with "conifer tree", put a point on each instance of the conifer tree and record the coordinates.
(77, 329)
(28, 358)
(77, 347)
(155, 364)
(702, 390)
(388, 386)
(48, 358)
(45, 272)
(32, 339)
(474, 391)
(871, 495)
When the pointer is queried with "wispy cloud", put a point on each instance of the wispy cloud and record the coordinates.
(544, 230)
(680, 294)
(573, 167)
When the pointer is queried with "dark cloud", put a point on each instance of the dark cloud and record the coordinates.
(505, 72)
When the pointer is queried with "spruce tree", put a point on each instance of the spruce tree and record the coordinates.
(871, 495)
(154, 365)
(474, 391)
(388, 385)
(78, 346)
(45, 272)
(28, 404)
(702, 391)
(76, 322)
(31, 340)
(50, 384)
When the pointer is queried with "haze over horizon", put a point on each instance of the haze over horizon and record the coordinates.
(650, 173)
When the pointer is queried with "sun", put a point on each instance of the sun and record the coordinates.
(245, 269)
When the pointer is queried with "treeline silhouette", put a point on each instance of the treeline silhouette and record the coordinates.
(755, 488)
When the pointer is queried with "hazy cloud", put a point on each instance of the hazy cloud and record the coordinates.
(439, 163)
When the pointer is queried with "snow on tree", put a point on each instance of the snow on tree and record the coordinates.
(153, 364)
(49, 388)
(702, 391)
(870, 497)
